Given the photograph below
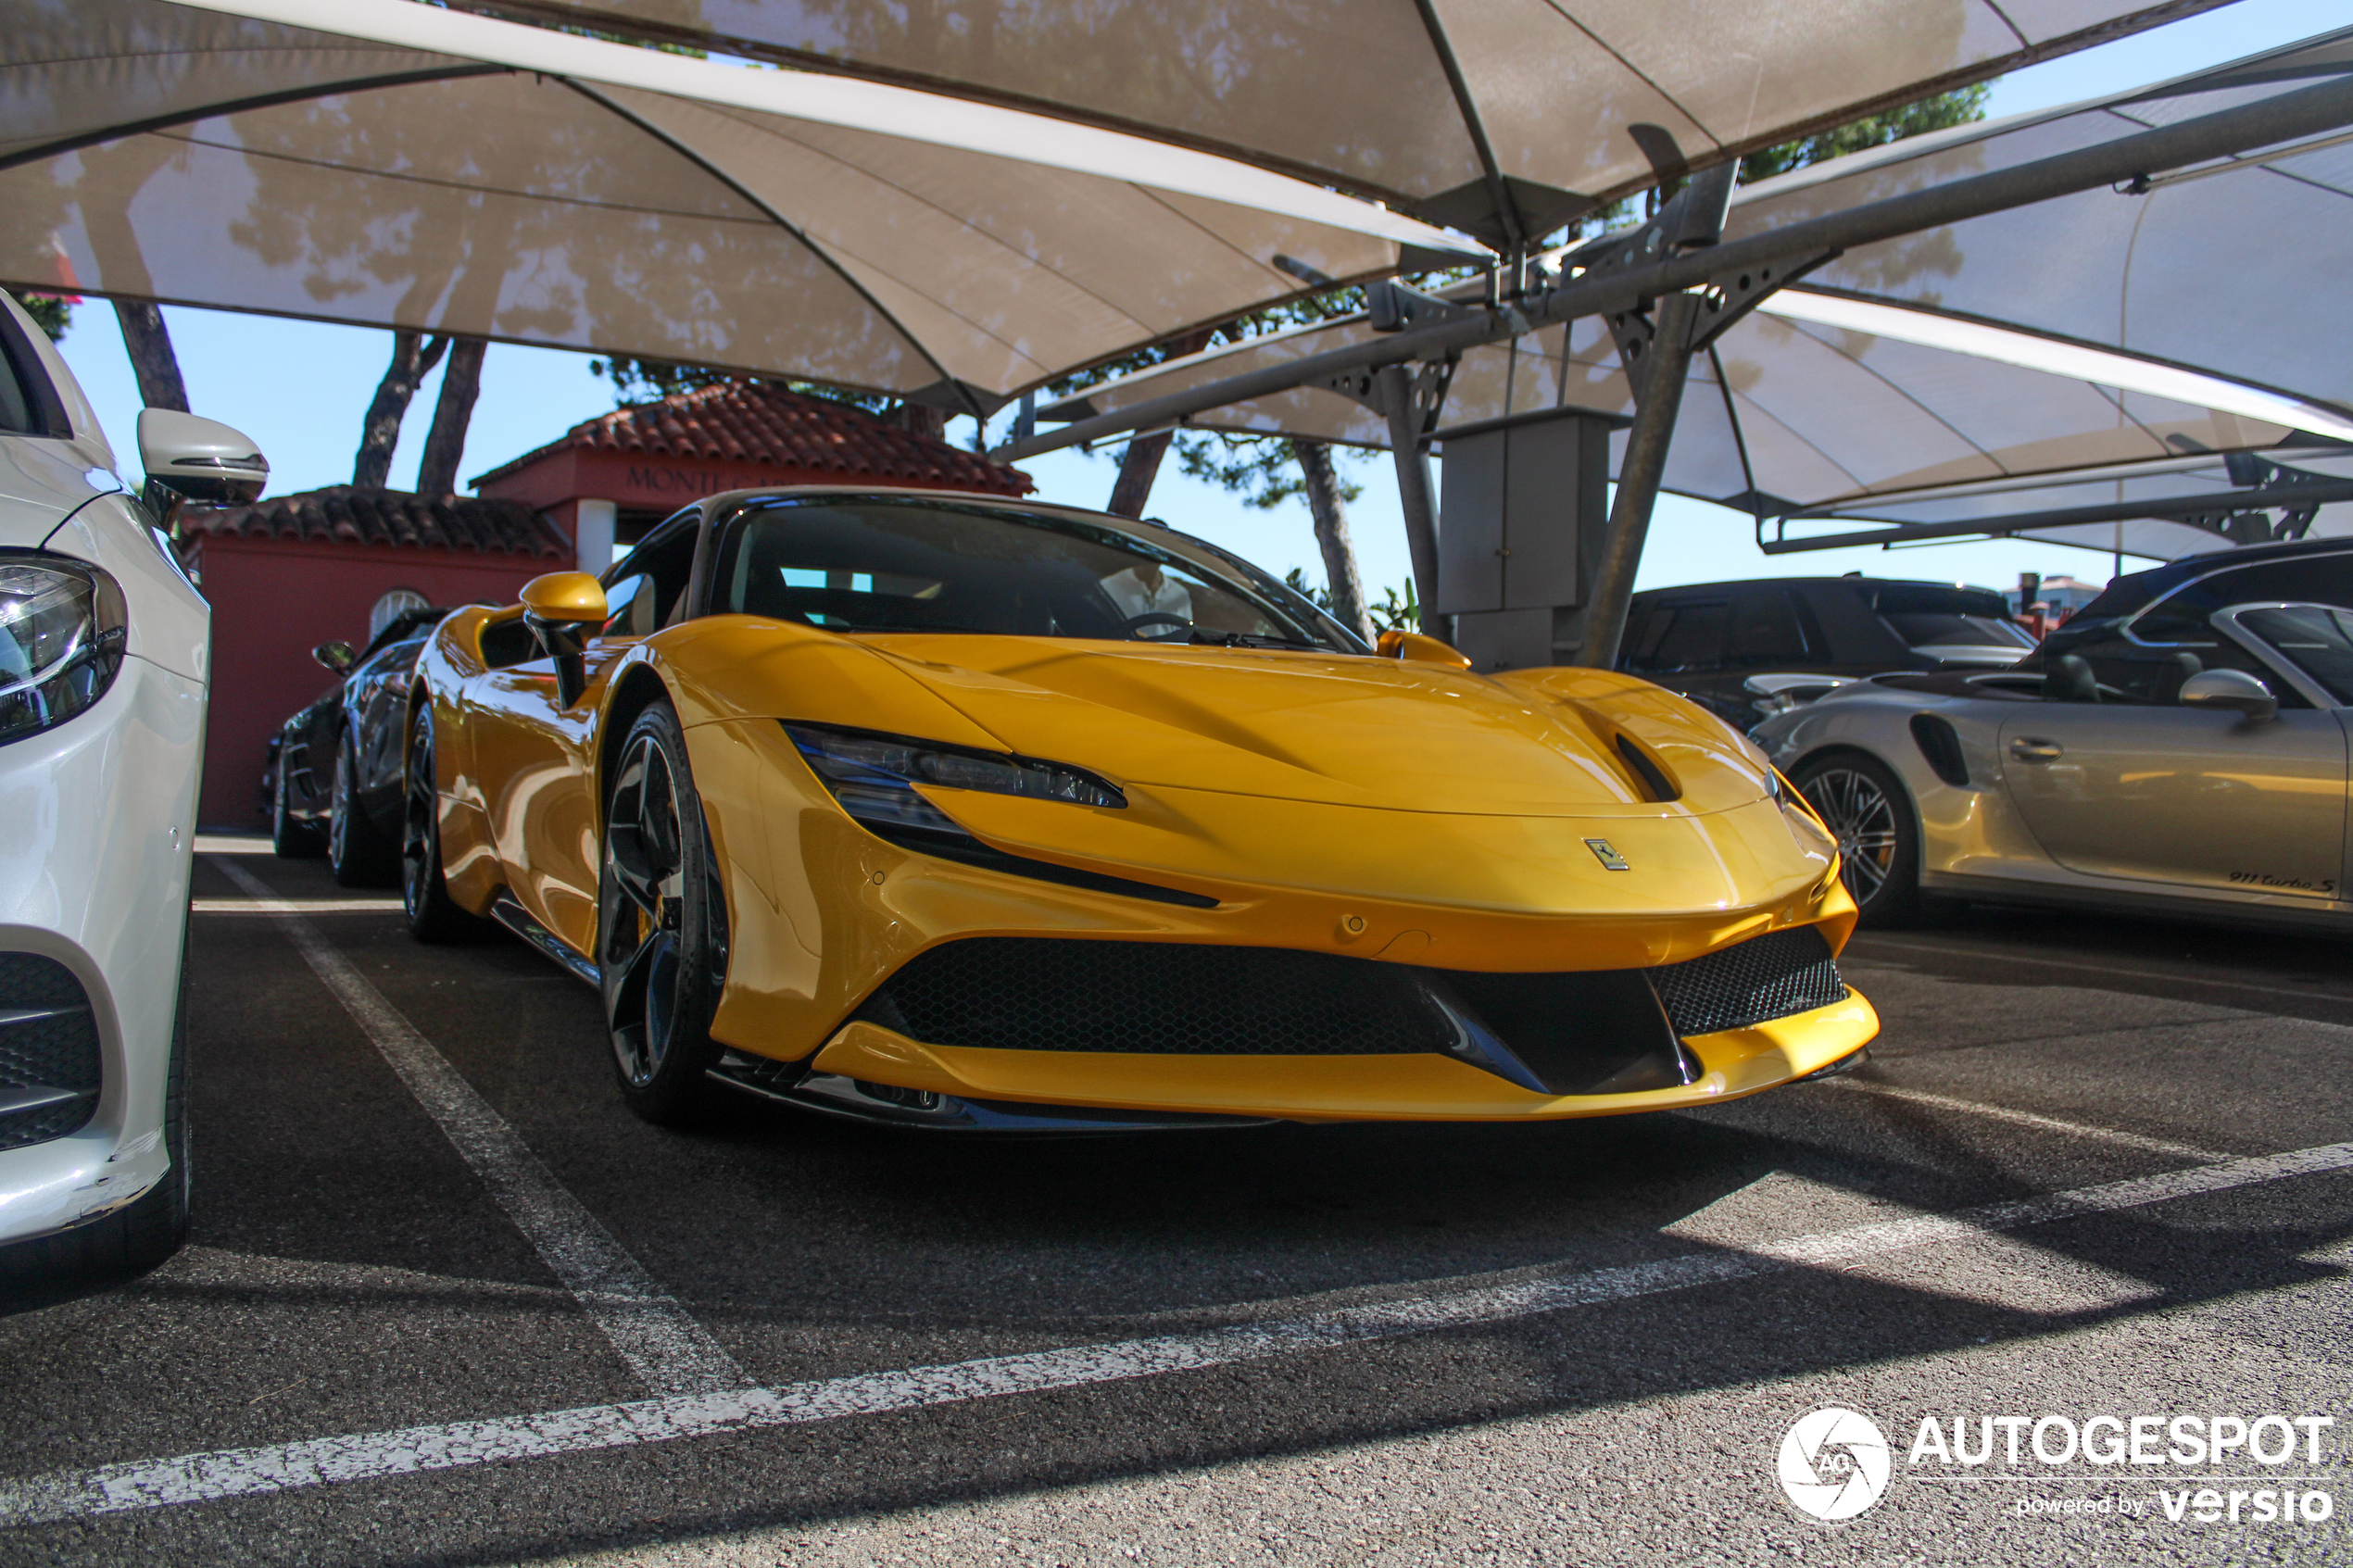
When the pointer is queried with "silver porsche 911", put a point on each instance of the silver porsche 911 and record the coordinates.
(2180, 745)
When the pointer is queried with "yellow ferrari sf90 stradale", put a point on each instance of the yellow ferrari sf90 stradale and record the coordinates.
(960, 812)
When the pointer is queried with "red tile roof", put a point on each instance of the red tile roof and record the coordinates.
(343, 514)
(828, 442)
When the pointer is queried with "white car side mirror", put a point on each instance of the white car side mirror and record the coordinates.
(188, 459)
(2232, 689)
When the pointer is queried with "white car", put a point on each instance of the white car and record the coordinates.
(104, 646)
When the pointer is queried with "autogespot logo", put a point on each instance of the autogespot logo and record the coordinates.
(1834, 1463)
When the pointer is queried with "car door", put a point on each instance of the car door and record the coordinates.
(536, 756)
(1681, 644)
(2115, 778)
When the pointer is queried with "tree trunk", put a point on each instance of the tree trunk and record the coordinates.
(413, 358)
(917, 419)
(158, 367)
(1341, 582)
(1140, 465)
(446, 447)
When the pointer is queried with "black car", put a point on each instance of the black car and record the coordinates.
(333, 782)
(1708, 640)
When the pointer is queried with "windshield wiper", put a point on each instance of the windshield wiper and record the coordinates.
(1245, 640)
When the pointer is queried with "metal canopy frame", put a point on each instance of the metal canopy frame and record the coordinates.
(1667, 289)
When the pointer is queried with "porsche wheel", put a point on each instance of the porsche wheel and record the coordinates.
(660, 924)
(432, 915)
(1866, 808)
(357, 852)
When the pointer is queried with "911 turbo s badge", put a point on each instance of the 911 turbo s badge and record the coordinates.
(1610, 859)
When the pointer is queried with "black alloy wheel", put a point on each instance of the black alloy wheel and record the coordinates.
(358, 853)
(432, 915)
(1870, 812)
(289, 839)
(662, 923)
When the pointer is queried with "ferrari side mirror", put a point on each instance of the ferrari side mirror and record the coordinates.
(1419, 649)
(2231, 689)
(336, 656)
(565, 609)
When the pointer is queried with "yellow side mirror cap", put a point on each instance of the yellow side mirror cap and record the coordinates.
(564, 598)
(1413, 645)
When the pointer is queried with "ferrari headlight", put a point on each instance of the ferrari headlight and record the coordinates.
(61, 637)
(1798, 812)
(874, 776)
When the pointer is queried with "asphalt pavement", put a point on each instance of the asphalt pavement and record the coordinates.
(448, 1301)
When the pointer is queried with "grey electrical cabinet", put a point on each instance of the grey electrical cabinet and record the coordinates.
(1521, 518)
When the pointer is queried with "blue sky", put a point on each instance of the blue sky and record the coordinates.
(300, 388)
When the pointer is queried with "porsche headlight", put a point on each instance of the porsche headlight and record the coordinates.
(874, 776)
(61, 637)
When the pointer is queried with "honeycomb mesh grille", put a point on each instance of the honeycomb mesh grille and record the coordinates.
(1157, 997)
(1765, 977)
(56, 1050)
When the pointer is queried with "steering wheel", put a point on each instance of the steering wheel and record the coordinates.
(1136, 624)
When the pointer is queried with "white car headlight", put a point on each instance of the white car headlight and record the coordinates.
(61, 637)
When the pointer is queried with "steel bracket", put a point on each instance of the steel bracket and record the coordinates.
(1425, 390)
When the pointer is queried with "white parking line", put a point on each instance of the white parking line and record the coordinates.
(669, 1352)
(118, 1488)
(1872, 939)
(2028, 1119)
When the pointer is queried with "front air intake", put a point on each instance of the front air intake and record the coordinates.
(49, 1072)
(1751, 982)
(1573, 1032)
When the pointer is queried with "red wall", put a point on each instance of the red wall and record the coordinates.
(273, 600)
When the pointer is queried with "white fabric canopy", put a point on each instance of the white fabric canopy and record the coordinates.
(393, 164)
(1503, 116)
(2076, 340)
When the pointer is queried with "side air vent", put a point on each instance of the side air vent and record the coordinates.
(49, 1073)
(1942, 746)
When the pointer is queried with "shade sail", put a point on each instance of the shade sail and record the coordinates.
(2073, 342)
(408, 166)
(1503, 116)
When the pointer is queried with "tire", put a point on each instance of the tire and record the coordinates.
(432, 915)
(143, 1232)
(1871, 813)
(289, 839)
(358, 853)
(661, 926)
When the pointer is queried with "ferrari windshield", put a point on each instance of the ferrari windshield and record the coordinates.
(864, 563)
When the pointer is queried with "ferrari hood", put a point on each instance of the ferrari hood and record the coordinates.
(1305, 726)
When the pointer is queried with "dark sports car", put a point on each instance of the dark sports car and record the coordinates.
(332, 785)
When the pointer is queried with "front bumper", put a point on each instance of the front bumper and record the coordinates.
(96, 834)
(1338, 1088)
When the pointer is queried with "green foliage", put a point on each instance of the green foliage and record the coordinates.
(47, 311)
(1261, 470)
(1396, 614)
(1960, 107)
(649, 381)
(1397, 610)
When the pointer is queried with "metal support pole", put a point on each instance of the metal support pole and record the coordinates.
(1656, 402)
(1396, 385)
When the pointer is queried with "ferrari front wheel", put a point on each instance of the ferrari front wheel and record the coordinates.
(660, 924)
(1867, 809)
(432, 915)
